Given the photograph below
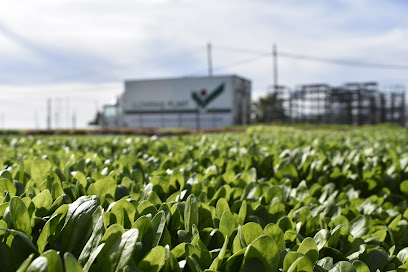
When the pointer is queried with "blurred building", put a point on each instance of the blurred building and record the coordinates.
(190, 102)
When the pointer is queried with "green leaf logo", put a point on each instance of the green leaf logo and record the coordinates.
(202, 99)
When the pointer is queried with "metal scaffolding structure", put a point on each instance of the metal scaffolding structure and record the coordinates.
(351, 103)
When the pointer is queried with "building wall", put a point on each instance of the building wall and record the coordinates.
(178, 120)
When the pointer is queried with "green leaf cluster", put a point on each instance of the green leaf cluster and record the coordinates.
(272, 199)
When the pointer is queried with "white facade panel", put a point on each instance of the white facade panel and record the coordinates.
(176, 94)
(175, 120)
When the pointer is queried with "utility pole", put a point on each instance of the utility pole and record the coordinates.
(67, 112)
(3, 121)
(56, 112)
(209, 58)
(36, 121)
(275, 67)
(61, 112)
(49, 113)
(74, 120)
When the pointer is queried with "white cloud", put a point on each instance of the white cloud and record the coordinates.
(106, 41)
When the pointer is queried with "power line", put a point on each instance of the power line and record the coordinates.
(336, 61)
(345, 62)
(239, 50)
(240, 62)
(244, 61)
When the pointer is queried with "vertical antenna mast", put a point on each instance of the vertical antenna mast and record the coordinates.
(209, 57)
(275, 67)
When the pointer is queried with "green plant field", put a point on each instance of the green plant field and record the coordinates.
(270, 199)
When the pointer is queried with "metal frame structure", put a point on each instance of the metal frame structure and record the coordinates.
(351, 104)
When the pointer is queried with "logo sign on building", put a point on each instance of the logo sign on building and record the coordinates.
(203, 98)
(184, 95)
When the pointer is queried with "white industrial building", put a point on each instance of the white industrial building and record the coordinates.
(189, 102)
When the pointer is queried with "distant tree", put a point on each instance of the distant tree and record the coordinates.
(98, 120)
(268, 109)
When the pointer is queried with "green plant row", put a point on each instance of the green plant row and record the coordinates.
(271, 199)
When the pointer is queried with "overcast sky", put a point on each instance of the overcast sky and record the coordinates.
(78, 52)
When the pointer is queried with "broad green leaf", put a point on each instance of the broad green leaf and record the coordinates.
(145, 207)
(19, 215)
(248, 233)
(290, 258)
(23, 267)
(25, 239)
(6, 175)
(158, 224)
(341, 220)
(326, 263)
(221, 207)
(358, 247)
(121, 252)
(360, 266)
(94, 254)
(216, 264)
(71, 264)
(309, 248)
(404, 187)
(3, 225)
(146, 234)
(39, 167)
(193, 264)
(179, 250)
(153, 261)
(321, 238)
(201, 255)
(343, 266)
(146, 192)
(334, 236)
(301, 264)
(124, 212)
(78, 226)
(403, 268)
(234, 262)
(93, 243)
(262, 254)
(170, 262)
(191, 213)
(104, 188)
(242, 213)
(402, 256)
(42, 202)
(277, 235)
(60, 201)
(112, 234)
(7, 185)
(39, 264)
(358, 227)
(48, 230)
(57, 189)
(376, 259)
(380, 235)
(54, 260)
(285, 223)
(227, 224)
(7, 259)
